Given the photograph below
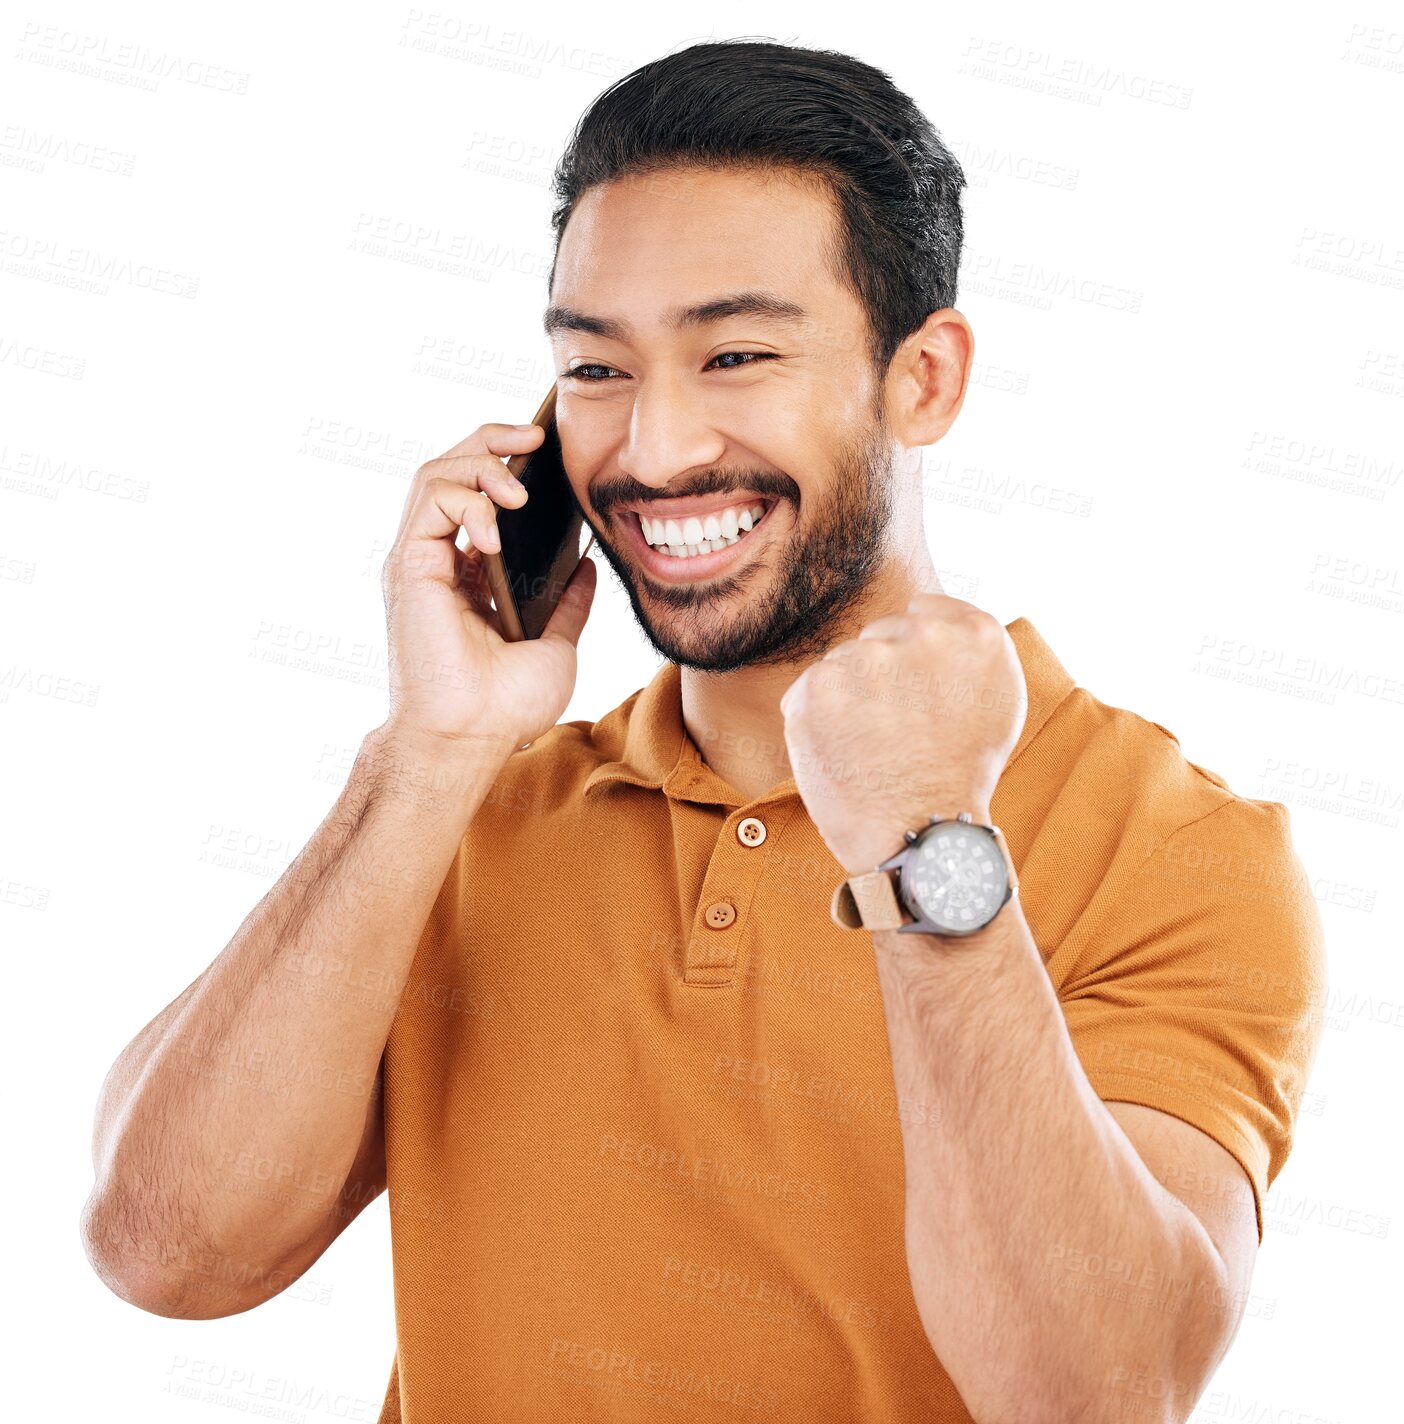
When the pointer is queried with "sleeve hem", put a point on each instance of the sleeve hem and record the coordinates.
(1118, 1087)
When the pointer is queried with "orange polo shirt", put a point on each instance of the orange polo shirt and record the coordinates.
(642, 1138)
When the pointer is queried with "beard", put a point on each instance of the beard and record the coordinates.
(821, 569)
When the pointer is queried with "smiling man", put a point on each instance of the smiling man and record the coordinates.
(861, 1021)
(996, 1156)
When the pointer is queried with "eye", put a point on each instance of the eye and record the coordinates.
(752, 357)
(577, 372)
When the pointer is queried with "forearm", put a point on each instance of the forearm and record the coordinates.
(1014, 1171)
(229, 1125)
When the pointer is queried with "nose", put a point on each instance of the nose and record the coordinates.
(668, 434)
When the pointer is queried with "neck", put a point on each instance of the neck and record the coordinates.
(734, 717)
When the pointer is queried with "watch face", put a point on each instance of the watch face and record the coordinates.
(957, 875)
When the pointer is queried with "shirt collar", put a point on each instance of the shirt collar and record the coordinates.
(649, 745)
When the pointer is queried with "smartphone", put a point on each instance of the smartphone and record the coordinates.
(541, 540)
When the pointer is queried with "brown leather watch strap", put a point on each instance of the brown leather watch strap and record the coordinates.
(869, 902)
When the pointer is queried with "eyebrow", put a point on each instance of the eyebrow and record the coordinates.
(764, 306)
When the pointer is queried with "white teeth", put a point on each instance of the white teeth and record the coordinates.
(695, 530)
(700, 536)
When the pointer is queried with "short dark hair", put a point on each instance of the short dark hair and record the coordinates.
(756, 103)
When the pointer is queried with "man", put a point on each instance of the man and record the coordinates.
(688, 1107)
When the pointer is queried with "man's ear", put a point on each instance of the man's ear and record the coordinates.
(928, 377)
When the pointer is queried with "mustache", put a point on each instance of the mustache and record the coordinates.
(607, 501)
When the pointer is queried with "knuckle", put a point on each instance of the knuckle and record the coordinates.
(987, 626)
(443, 489)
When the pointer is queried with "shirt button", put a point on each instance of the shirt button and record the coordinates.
(750, 832)
(719, 915)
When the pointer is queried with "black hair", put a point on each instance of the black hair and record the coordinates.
(756, 103)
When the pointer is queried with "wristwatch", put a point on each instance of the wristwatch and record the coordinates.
(951, 878)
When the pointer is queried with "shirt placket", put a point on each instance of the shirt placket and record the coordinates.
(724, 908)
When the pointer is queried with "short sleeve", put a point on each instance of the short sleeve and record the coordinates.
(1204, 993)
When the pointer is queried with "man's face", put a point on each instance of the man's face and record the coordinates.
(704, 420)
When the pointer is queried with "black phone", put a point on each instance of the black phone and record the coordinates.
(541, 539)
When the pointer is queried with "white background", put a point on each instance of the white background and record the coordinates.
(1184, 267)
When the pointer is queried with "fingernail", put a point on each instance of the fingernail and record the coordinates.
(530, 425)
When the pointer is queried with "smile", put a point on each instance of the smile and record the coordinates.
(703, 546)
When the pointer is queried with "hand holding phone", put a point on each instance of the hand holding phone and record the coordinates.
(539, 540)
(455, 674)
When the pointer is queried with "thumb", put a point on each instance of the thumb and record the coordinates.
(572, 609)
